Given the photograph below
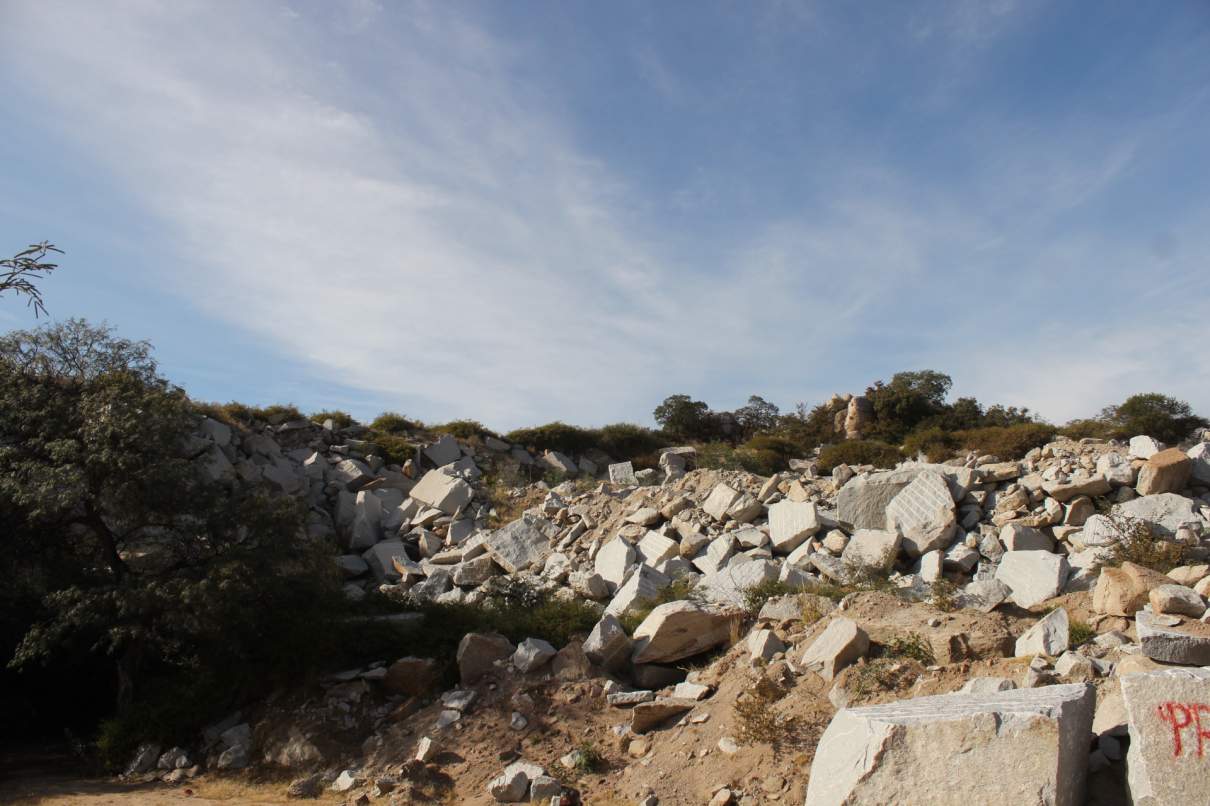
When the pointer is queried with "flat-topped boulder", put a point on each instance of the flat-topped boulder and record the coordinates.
(863, 501)
(1184, 642)
(1166, 714)
(679, 630)
(1032, 576)
(443, 492)
(1027, 746)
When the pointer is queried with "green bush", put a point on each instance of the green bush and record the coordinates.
(858, 452)
(625, 441)
(718, 456)
(340, 419)
(394, 449)
(1090, 428)
(390, 422)
(244, 416)
(465, 429)
(1007, 442)
(556, 436)
(935, 443)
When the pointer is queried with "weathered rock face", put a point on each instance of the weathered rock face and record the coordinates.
(607, 645)
(839, 645)
(1199, 456)
(1032, 576)
(1123, 591)
(1167, 716)
(442, 492)
(1186, 645)
(858, 416)
(1166, 512)
(1050, 636)
(478, 653)
(862, 502)
(923, 513)
(1025, 746)
(791, 523)
(518, 546)
(1165, 472)
(683, 629)
(1177, 600)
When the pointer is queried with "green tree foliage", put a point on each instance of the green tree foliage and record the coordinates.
(1160, 416)
(858, 452)
(123, 547)
(19, 273)
(758, 416)
(906, 402)
(684, 418)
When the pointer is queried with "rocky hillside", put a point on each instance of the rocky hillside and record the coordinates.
(976, 631)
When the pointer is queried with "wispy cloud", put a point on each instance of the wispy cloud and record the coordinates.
(385, 192)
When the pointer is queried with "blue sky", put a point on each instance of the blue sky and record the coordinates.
(524, 211)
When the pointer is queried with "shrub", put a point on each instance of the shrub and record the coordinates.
(245, 416)
(465, 429)
(390, 422)
(756, 595)
(1080, 632)
(718, 456)
(911, 646)
(394, 449)
(1007, 442)
(756, 719)
(858, 452)
(1090, 428)
(1141, 545)
(556, 436)
(340, 419)
(944, 595)
(627, 441)
(588, 759)
(935, 443)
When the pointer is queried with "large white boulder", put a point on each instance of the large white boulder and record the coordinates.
(791, 523)
(923, 513)
(1144, 447)
(1033, 576)
(728, 585)
(443, 492)
(1049, 636)
(518, 546)
(1200, 455)
(1168, 714)
(1027, 746)
(721, 499)
(1166, 512)
(862, 502)
(643, 585)
(613, 560)
(841, 643)
(679, 630)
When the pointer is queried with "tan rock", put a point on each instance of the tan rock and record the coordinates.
(679, 630)
(1189, 575)
(1123, 591)
(1166, 472)
(842, 643)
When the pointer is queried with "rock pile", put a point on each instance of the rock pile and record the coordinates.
(682, 561)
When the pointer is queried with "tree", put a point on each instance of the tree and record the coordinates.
(758, 416)
(684, 418)
(906, 402)
(1155, 415)
(134, 551)
(18, 273)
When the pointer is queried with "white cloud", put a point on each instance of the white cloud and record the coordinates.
(379, 192)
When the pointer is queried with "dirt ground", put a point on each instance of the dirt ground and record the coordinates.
(51, 778)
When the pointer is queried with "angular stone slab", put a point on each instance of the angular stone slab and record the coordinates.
(923, 512)
(1168, 714)
(862, 502)
(791, 523)
(1033, 576)
(720, 500)
(1188, 645)
(839, 645)
(679, 630)
(442, 492)
(518, 546)
(1027, 746)
(622, 473)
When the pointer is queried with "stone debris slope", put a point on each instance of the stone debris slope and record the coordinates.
(935, 633)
